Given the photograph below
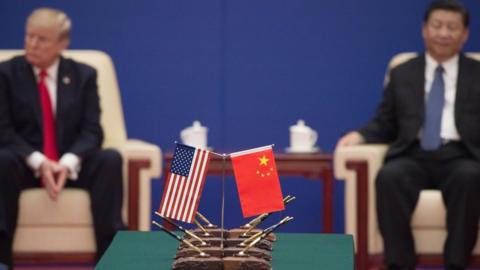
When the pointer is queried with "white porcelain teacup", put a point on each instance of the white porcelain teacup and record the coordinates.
(195, 135)
(302, 137)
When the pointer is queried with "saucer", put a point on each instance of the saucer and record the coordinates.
(314, 149)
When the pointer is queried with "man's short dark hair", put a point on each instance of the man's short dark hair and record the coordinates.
(450, 5)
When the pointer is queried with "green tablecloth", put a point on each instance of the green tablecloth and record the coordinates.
(292, 251)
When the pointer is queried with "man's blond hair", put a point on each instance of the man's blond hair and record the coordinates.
(50, 17)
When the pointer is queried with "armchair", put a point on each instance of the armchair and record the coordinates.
(62, 231)
(358, 166)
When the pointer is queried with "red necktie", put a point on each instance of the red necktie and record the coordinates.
(49, 137)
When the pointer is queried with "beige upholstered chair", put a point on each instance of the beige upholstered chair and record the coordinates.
(62, 230)
(358, 166)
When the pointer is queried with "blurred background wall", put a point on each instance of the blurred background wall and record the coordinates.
(247, 69)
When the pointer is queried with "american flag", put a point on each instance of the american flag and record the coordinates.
(184, 184)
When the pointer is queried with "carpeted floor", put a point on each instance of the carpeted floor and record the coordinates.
(92, 268)
(53, 268)
(438, 268)
(86, 267)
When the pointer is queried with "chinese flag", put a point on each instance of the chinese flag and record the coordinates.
(257, 181)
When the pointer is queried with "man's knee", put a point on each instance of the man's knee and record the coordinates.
(8, 164)
(7, 159)
(388, 176)
(110, 158)
(467, 175)
(401, 178)
(111, 162)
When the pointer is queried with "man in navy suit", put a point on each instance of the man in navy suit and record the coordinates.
(430, 116)
(50, 133)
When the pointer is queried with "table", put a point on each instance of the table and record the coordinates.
(315, 166)
(155, 250)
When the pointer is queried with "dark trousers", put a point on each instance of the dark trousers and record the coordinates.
(453, 171)
(100, 175)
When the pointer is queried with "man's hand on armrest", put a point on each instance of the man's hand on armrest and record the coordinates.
(351, 138)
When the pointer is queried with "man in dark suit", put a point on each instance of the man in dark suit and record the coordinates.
(50, 134)
(430, 115)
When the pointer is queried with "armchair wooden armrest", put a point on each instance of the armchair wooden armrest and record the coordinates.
(358, 166)
(142, 162)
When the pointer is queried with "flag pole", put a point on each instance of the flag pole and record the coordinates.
(217, 154)
(220, 155)
(223, 201)
(248, 151)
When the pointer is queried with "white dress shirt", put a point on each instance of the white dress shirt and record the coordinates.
(448, 130)
(70, 160)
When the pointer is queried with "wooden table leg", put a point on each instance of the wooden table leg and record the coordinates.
(328, 195)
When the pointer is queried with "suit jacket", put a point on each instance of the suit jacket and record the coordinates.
(400, 115)
(78, 112)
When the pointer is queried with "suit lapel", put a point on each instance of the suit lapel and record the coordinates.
(418, 87)
(463, 83)
(64, 92)
(30, 86)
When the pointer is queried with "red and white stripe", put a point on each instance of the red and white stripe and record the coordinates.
(182, 194)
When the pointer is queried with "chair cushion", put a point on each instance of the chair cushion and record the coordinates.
(54, 239)
(428, 214)
(71, 208)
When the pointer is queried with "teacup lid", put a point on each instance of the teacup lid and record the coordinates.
(198, 126)
(300, 126)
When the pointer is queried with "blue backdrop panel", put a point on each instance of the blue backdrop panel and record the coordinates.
(246, 69)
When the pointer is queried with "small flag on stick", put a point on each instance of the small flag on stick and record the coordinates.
(257, 181)
(184, 184)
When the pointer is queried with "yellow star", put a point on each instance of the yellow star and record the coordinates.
(263, 160)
